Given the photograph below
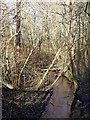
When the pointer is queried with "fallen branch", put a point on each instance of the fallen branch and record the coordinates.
(52, 65)
(54, 69)
(49, 68)
(57, 77)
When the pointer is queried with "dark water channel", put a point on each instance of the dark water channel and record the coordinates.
(60, 104)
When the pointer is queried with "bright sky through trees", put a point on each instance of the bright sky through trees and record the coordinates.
(12, 1)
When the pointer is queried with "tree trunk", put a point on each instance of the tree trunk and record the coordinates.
(18, 43)
(18, 22)
(78, 50)
(88, 35)
(71, 39)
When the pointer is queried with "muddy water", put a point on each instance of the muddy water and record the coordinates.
(59, 106)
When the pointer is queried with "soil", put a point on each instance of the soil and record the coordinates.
(21, 104)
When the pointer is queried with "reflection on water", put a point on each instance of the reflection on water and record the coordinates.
(59, 106)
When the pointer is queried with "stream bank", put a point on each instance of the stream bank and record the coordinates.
(21, 104)
(56, 103)
(81, 103)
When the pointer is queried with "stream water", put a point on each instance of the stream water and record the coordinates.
(59, 106)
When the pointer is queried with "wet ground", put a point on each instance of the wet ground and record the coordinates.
(18, 104)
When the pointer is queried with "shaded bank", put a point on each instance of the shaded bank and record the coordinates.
(81, 103)
(21, 104)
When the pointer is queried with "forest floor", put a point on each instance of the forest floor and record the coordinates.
(20, 104)
(27, 103)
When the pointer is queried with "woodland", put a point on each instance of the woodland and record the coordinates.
(40, 43)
